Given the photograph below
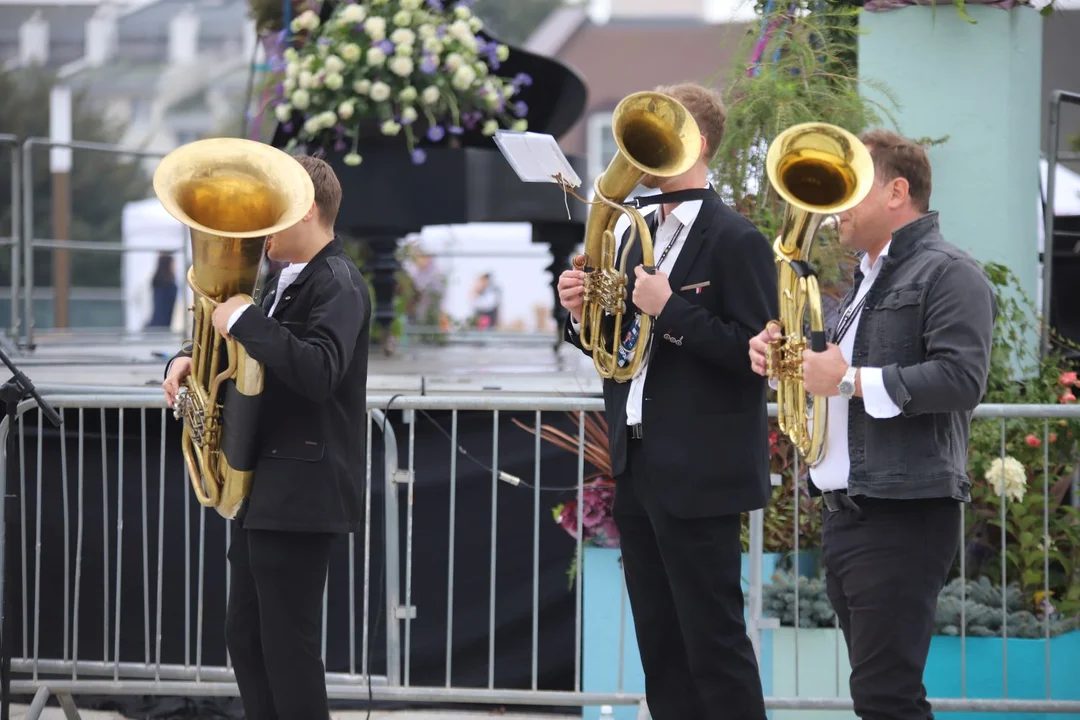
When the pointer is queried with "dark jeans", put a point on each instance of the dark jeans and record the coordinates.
(885, 566)
(683, 577)
(273, 625)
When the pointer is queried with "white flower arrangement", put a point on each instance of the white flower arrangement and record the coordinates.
(389, 63)
(1009, 474)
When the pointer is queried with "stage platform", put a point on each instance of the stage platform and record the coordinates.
(479, 363)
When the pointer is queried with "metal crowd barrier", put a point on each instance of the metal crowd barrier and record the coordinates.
(72, 671)
(11, 142)
(31, 243)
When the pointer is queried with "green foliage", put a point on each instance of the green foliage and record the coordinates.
(779, 520)
(1040, 457)
(101, 183)
(269, 14)
(980, 602)
(778, 601)
(806, 73)
(977, 606)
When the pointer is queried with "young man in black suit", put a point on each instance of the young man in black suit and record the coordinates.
(310, 332)
(689, 438)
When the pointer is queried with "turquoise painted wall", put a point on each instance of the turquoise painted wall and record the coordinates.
(979, 84)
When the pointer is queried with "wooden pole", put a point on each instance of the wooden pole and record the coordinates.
(60, 167)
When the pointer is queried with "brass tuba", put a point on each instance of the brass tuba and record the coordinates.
(819, 170)
(230, 193)
(656, 136)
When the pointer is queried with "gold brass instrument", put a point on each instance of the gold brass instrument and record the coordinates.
(656, 136)
(819, 170)
(231, 194)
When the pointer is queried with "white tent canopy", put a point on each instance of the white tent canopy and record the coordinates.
(146, 224)
(1066, 195)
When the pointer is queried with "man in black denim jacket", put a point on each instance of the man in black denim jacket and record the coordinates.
(905, 366)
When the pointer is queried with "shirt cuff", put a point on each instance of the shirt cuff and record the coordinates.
(575, 325)
(774, 383)
(875, 397)
(236, 316)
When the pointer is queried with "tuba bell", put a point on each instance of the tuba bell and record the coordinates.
(819, 170)
(655, 136)
(231, 194)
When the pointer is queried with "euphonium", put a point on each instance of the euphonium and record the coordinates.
(819, 170)
(656, 136)
(231, 194)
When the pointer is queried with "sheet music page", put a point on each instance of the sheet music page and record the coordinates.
(536, 157)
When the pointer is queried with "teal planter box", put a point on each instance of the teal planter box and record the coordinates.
(823, 671)
(1027, 678)
(606, 616)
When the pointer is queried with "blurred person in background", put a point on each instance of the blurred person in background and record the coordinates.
(163, 292)
(486, 298)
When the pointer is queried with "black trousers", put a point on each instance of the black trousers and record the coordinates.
(273, 625)
(885, 565)
(683, 577)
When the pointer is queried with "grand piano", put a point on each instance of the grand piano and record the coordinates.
(387, 197)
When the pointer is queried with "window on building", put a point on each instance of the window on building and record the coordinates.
(601, 145)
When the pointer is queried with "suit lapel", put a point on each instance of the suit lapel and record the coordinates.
(634, 258)
(695, 239)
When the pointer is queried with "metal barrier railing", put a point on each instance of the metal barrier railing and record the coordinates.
(11, 142)
(31, 243)
(73, 673)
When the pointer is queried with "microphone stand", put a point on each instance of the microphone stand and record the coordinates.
(13, 392)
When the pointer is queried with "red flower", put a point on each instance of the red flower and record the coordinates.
(1068, 397)
(1053, 437)
(1068, 378)
(1033, 441)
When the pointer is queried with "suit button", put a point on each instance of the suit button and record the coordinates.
(274, 451)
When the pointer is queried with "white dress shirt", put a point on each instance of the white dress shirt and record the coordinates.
(833, 470)
(288, 274)
(676, 225)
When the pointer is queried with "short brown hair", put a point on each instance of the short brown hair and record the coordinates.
(897, 156)
(327, 188)
(707, 109)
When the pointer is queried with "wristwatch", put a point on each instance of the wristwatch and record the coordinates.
(847, 384)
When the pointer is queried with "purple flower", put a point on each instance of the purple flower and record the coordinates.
(418, 156)
(340, 145)
(435, 133)
(429, 64)
(521, 109)
(456, 130)
(522, 79)
(386, 46)
(435, 4)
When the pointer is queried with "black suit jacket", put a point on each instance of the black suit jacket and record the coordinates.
(312, 429)
(704, 412)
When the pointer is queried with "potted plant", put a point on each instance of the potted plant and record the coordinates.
(778, 542)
